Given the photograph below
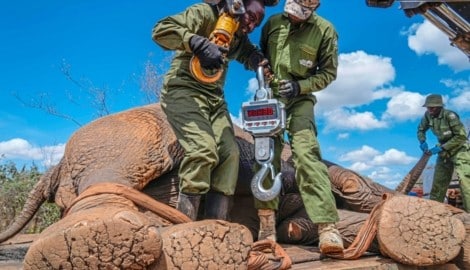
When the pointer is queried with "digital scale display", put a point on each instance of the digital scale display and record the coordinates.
(261, 112)
(263, 118)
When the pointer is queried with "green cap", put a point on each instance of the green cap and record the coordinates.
(433, 100)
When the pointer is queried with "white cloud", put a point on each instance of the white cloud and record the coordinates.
(426, 38)
(404, 106)
(386, 177)
(344, 119)
(343, 136)
(364, 154)
(20, 149)
(372, 157)
(378, 166)
(361, 80)
(359, 167)
(461, 102)
(392, 157)
(237, 120)
(252, 87)
(461, 90)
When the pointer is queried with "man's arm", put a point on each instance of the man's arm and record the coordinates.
(174, 32)
(422, 128)
(458, 129)
(248, 54)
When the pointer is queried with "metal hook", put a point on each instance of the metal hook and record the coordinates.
(257, 188)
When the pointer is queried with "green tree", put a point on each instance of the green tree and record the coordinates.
(15, 185)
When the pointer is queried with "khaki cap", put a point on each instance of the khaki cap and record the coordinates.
(301, 9)
(433, 100)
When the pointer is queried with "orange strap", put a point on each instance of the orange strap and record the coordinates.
(365, 235)
(268, 255)
(135, 196)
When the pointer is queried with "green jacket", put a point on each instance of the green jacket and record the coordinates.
(448, 129)
(307, 53)
(174, 33)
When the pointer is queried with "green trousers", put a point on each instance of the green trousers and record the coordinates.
(460, 162)
(203, 127)
(311, 174)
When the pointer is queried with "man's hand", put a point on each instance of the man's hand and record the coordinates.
(424, 146)
(435, 150)
(211, 56)
(289, 89)
(255, 59)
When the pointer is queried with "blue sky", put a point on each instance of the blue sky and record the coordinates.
(367, 118)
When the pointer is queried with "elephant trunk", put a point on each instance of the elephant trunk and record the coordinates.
(35, 199)
(412, 177)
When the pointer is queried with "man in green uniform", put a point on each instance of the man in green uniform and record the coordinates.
(453, 150)
(197, 111)
(302, 50)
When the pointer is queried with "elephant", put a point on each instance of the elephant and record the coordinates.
(130, 148)
(137, 151)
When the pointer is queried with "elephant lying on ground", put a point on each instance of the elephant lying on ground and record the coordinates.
(137, 149)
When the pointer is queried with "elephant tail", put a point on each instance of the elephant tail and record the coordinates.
(41, 191)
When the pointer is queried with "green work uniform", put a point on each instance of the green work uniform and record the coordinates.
(452, 138)
(198, 112)
(308, 54)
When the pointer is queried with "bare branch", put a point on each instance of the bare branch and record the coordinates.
(43, 104)
(151, 80)
(150, 83)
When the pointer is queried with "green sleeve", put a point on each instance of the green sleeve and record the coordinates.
(327, 64)
(245, 51)
(459, 137)
(174, 32)
(263, 42)
(422, 128)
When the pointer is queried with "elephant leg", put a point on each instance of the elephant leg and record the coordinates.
(205, 244)
(103, 232)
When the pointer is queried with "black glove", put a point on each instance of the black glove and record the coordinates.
(255, 59)
(289, 89)
(211, 56)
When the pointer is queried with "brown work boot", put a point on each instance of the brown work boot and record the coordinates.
(267, 224)
(330, 239)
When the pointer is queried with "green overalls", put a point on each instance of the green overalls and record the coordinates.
(452, 137)
(306, 53)
(198, 112)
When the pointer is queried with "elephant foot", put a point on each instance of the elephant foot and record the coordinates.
(206, 244)
(103, 232)
(419, 232)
